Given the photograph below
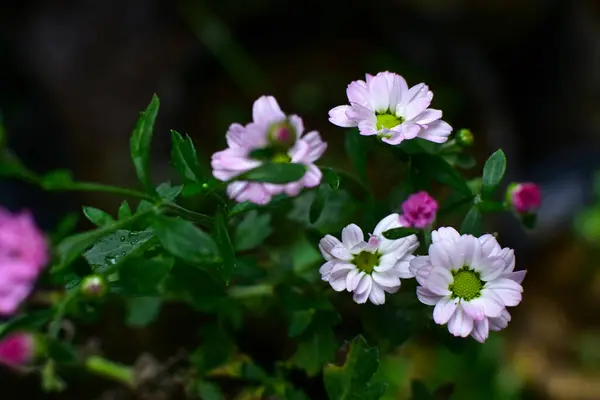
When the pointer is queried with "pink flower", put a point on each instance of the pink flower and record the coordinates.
(23, 255)
(525, 198)
(419, 210)
(271, 137)
(17, 349)
(383, 105)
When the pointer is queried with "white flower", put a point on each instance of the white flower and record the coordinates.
(470, 281)
(368, 269)
(383, 105)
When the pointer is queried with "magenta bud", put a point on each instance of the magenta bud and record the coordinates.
(524, 198)
(419, 210)
(282, 135)
(18, 349)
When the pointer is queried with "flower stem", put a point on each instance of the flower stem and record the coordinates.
(188, 214)
(110, 370)
(244, 292)
(98, 187)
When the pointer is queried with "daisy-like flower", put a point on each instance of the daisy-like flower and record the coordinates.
(470, 281)
(368, 269)
(383, 105)
(271, 137)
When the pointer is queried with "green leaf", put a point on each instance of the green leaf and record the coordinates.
(279, 173)
(216, 348)
(493, 172)
(184, 157)
(60, 352)
(33, 321)
(315, 348)
(397, 233)
(97, 217)
(352, 381)
(356, 148)
(300, 321)
(112, 249)
(318, 204)
(124, 211)
(331, 177)
(142, 311)
(252, 231)
(225, 246)
(489, 206)
(461, 160)
(419, 391)
(66, 226)
(209, 391)
(438, 169)
(142, 276)
(57, 179)
(140, 144)
(184, 240)
(166, 191)
(472, 223)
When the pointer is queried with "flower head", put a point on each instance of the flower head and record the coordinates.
(470, 281)
(525, 198)
(17, 349)
(419, 210)
(368, 269)
(383, 105)
(23, 255)
(271, 137)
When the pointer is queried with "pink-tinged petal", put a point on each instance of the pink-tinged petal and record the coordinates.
(422, 274)
(338, 116)
(501, 322)
(398, 89)
(325, 270)
(445, 233)
(352, 235)
(418, 91)
(234, 189)
(437, 132)
(427, 297)
(489, 268)
(392, 137)
(385, 279)
(460, 324)
(252, 192)
(235, 136)
(481, 330)
(390, 222)
(368, 127)
(326, 244)
(516, 276)
(444, 310)
(235, 159)
(507, 289)
(508, 255)
(363, 246)
(362, 292)
(418, 263)
(439, 280)
(491, 303)
(473, 310)
(469, 248)
(416, 107)
(266, 110)
(341, 268)
(489, 245)
(342, 253)
(391, 290)
(427, 116)
(297, 123)
(358, 93)
(408, 130)
(316, 145)
(353, 279)
(312, 177)
(379, 92)
(402, 269)
(445, 254)
(377, 295)
(299, 152)
(338, 284)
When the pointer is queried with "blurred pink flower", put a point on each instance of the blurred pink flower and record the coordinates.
(383, 105)
(419, 210)
(23, 255)
(17, 349)
(525, 198)
(271, 137)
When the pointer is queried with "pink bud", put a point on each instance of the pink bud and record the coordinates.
(525, 198)
(282, 135)
(419, 210)
(17, 349)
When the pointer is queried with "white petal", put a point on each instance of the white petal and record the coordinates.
(436, 132)
(507, 289)
(352, 235)
(341, 269)
(390, 222)
(368, 127)
(316, 146)
(377, 295)
(489, 245)
(497, 324)
(445, 233)
(445, 254)
(508, 255)
(438, 281)
(481, 330)
(489, 268)
(468, 246)
(362, 292)
(338, 116)
(402, 269)
(266, 110)
(358, 93)
(427, 297)
(338, 284)
(419, 262)
(416, 107)
(353, 278)
(444, 310)
(516, 276)
(460, 324)
(385, 279)
(342, 253)
(325, 270)
(491, 303)
(312, 178)
(473, 310)
(422, 274)
(379, 93)
(326, 244)
(427, 116)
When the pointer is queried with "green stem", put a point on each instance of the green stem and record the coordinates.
(188, 214)
(244, 292)
(61, 308)
(98, 187)
(110, 370)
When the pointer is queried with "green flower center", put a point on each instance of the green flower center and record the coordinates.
(467, 285)
(388, 120)
(270, 154)
(366, 261)
(281, 158)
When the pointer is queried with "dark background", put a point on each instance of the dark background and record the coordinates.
(523, 75)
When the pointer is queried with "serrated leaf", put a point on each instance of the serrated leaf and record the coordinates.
(184, 157)
(166, 191)
(124, 211)
(493, 172)
(97, 217)
(142, 311)
(140, 144)
(318, 203)
(471, 225)
(352, 381)
(225, 246)
(114, 248)
(356, 148)
(184, 240)
(398, 233)
(300, 321)
(279, 173)
(252, 231)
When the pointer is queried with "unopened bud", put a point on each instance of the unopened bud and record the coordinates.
(282, 135)
(18, 349)
(464, 138)
(524, 198)
(93, 286)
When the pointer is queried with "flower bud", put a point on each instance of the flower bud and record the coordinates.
(93, 286)
(524, 198)
(419, 210)
(18, 349)
(282, 135)
(464, 138)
